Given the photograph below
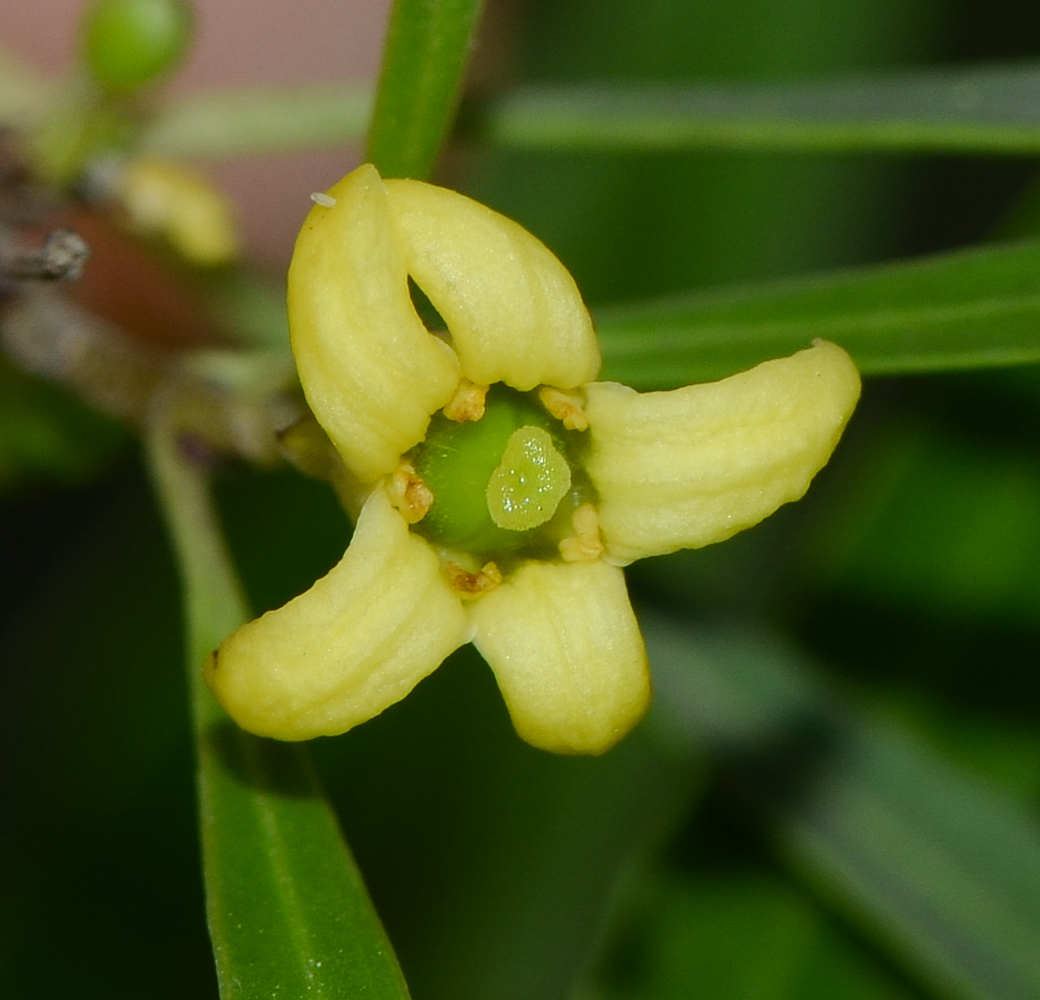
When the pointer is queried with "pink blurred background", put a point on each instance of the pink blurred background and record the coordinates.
(242, 42)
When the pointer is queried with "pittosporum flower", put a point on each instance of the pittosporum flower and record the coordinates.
(500, 488)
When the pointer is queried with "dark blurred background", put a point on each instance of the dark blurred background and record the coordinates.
(909, 575)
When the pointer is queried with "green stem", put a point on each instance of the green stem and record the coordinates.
(214, 602)
(425, 56)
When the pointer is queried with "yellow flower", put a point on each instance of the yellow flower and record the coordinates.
(586, 476)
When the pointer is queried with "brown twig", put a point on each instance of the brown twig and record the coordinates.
(62, 256)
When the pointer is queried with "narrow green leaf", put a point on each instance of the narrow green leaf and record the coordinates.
(970, 309)
(288, 913)
(983, 109)
(426, 50)
(943, 872)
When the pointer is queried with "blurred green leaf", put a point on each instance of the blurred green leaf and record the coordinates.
(514, 870)
(288, 911)
(943, 872)
(941, 525)
(426, 51)
(970, 309)
(988, 109)
(46, 433)
(994, 109)
(245, 121)
(736, 934)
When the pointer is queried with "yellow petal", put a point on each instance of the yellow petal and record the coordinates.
(359, 640)
(514, 312)
(566, 651)
(690, 467)
(371, 371)
(182, 205)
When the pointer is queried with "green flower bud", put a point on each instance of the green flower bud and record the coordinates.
(129, 43)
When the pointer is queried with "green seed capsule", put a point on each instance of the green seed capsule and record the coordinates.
(129, 43)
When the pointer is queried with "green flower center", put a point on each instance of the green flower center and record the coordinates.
(505, 482)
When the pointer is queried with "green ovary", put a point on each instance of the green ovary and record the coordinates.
(498, 482)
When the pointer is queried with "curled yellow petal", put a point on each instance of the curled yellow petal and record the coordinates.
(359, 640)
(693, 466)
(566, 650)
(513, 310)
(371, 371)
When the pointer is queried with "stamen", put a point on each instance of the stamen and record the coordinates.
(409, 494)
(567, 407)
(468, 403)
(585, 544)
(468, 584)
